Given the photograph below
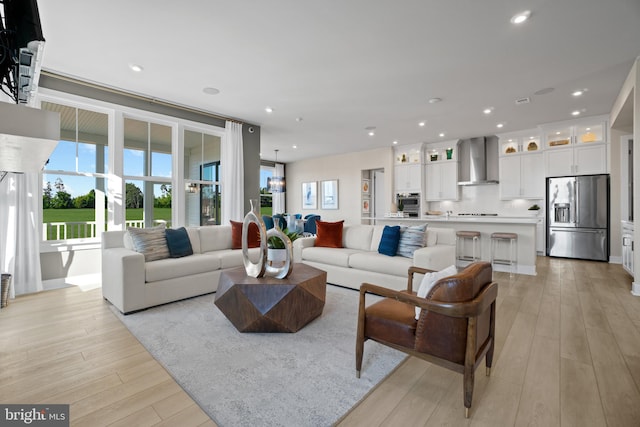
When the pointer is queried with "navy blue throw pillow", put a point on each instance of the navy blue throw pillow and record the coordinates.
(389, 241)
(178, 242)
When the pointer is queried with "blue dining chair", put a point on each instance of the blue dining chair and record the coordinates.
(310, 225)
(268, 221)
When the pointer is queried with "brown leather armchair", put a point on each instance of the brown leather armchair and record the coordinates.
(455, 329)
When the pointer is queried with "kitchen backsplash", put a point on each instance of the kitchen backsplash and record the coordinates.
(484, 199)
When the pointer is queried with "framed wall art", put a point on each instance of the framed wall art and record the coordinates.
(366, 187)
(329, 194)
(309, 195)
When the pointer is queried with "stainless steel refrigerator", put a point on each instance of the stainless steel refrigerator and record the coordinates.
(578, 217)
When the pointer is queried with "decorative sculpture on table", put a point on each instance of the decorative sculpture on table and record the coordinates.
(261, 268)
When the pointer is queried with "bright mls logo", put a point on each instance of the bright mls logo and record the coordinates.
(34, 415)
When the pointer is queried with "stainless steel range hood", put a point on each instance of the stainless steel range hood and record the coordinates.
(28, 136)
(478, 161)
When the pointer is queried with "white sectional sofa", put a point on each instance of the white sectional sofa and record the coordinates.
(359, 261)
(132, 284)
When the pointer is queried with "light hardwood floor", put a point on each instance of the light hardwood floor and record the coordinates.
(567, 354)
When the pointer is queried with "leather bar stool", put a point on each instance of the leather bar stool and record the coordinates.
(512, 261)
(461, 238)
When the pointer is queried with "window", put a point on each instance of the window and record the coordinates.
(202, 178)
(147, 170)
(74, 179)
(266, 199)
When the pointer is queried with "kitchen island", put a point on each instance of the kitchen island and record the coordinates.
(524, 227)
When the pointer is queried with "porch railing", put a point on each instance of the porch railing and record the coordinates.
(84, 229)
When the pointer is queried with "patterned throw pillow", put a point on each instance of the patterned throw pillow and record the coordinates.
(411, 238)
(178, 242)
(151, 242)
(389, 240)
(329, 234)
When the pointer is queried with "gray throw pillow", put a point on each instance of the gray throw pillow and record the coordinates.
(151, 242)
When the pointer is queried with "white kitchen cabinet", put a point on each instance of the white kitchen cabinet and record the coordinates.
(522, 176)
(442, 181)
(540, 240)
(576, 147)
(408, 178)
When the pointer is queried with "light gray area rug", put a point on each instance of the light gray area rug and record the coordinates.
(261, 379)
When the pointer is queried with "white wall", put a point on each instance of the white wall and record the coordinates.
(346, 168)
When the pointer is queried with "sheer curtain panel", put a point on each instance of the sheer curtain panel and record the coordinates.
(19, 231)
(232, 171)
(278, 198)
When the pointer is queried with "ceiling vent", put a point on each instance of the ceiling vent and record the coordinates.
(525, 100)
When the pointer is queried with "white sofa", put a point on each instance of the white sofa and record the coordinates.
(359, 261)
(132, 284)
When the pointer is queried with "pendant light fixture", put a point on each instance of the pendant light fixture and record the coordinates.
(276, 184)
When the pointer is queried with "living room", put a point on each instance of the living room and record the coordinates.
(317, 148)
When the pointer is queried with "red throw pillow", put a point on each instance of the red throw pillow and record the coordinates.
(253, 237)
(329, 234)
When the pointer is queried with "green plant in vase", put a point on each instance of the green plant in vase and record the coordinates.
(274, 242)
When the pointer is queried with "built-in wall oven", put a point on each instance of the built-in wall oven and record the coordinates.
(409, 203)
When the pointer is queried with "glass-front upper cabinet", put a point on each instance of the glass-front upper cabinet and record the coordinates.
(579, 132)
(519, 142)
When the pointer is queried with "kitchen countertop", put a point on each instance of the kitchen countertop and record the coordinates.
(468, 219)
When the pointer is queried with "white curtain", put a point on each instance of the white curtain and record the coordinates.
(277, 199)
(232, 171)
(19, 231)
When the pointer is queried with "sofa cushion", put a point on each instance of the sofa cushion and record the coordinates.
(233, 258)
(389, 240)
(332, 256)
(253, 235)
(214, 237)
(329, 234)
(376, 236)
(378, 263)
(194, 238)
(178, 242)
(357, 237)
(411, 238)
(151, 242)
(172, 268)
(430, 279)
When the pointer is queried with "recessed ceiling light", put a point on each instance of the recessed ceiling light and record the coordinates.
(519, 18)
(371, 133)
(211, 90)
(500, 125)
(434, 100)
(441, 134)
(295, 146)
(299, 119)
(575, 113)
(268, 110)
(488, 110)
(557, 133)
(421, 124)
(577, 93)
(135, 67)
(395, 142)
(510, 140)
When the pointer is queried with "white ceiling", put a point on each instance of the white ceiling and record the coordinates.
(346, 65)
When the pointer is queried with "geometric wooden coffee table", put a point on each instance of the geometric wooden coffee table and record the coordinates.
(272, 305)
